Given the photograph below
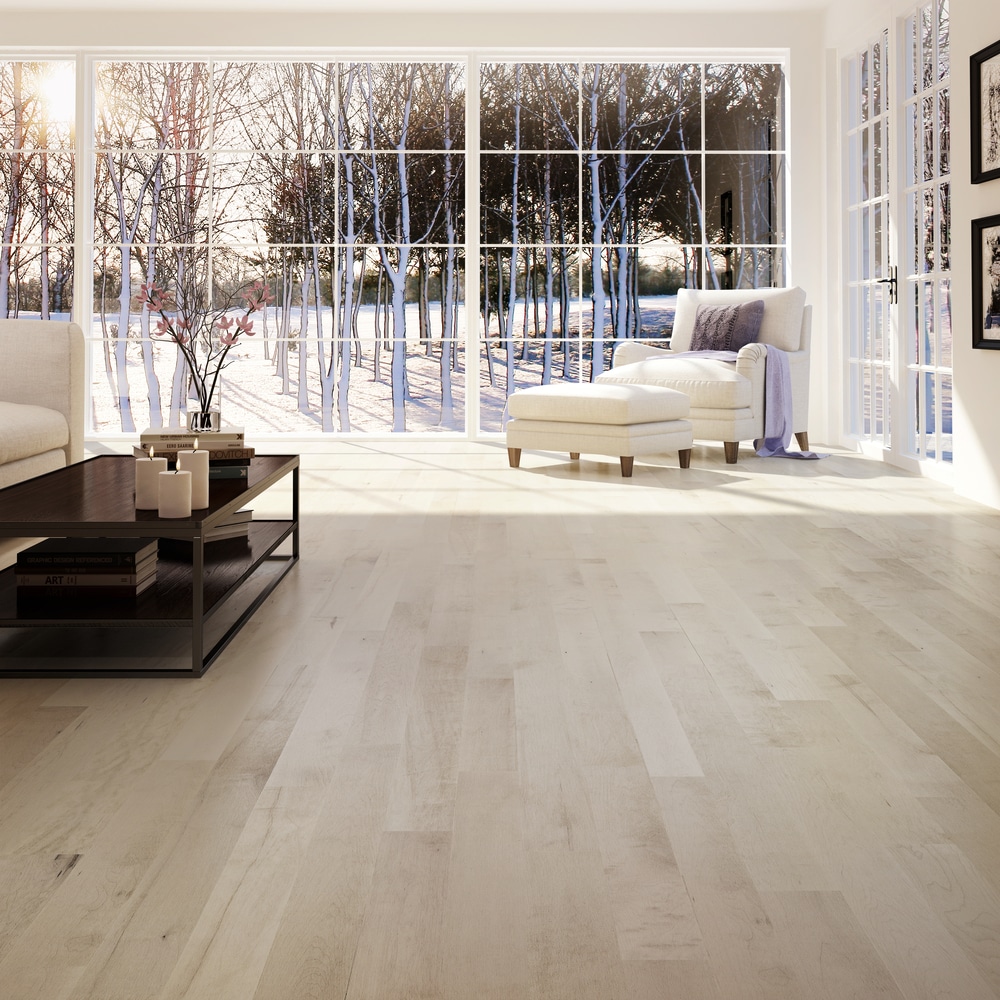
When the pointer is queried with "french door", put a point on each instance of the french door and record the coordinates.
(898, 236)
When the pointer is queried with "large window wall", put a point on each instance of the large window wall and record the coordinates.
(345, 187)
(338, 186)
(605, 187)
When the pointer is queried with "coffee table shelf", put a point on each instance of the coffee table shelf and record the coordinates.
(89, 500)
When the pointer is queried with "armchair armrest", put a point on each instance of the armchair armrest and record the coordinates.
(630, 351)
(751, 363)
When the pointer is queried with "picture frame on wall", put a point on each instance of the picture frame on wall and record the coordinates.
(985, 113)
(986, 282)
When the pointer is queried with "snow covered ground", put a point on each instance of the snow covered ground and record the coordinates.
(255, 397)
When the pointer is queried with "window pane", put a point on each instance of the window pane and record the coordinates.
(152, 105)
(529, 106)
(944, 130)
(944, 322)
(743, 106)
(755, 184)
(40, 280)
(547, 197)
(864, 86)
(650, 106)
(927, 32)
(929, 341)
(37, 105)
(876, 80)
(37, 178)
(930, 128)
(943, 40)
(944, 219)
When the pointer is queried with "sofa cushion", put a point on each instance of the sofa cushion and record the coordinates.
(726, 328)
(781, 325)
(598, 403)
(27, 430)
(707, 382)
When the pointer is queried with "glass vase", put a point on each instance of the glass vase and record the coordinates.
(204, 421)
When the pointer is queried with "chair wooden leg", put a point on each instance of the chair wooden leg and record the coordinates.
(803, 439)
(684, 456)
(627, 461)
(732, 450)
(574, 456)
(514, 457)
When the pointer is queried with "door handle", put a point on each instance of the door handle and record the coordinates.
(891, 282)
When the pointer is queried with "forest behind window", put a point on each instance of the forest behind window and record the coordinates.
(344, 187)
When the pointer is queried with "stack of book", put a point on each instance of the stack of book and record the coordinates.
(86, 568)
(235, 529)
(237, 525)
(228, 454)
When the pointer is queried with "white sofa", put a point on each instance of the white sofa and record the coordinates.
(727, 399)
(41, 397)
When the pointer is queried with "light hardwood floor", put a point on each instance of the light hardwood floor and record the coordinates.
(730, 732)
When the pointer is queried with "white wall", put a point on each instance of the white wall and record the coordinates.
(800, 34)
(975, 24)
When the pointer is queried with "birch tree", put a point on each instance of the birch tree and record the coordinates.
(15, 165)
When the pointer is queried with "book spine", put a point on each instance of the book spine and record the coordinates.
(88, 593)
(184, 440)
(79, 579)
(75, 562)
(228, 471)
(214, 454)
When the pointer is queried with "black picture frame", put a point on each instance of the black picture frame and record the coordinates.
(984, 113)
(986, 282)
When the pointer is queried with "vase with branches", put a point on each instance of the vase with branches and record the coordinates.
(204, 342)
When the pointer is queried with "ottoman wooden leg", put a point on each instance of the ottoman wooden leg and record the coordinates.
(732, 450)
(803, 439)
(627, 461)
(574, 456)
(684, 456)
(514, 457)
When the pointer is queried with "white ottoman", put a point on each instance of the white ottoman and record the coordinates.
(601, 419)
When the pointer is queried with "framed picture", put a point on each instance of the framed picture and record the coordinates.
(985, 114)
(986, 282)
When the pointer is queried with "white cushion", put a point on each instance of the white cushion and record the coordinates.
(603, 439)
(781, 326)
(705, 381)
(27, 430)
(598, 403)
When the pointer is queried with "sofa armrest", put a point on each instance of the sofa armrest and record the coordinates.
(43, 364)
(630, 351)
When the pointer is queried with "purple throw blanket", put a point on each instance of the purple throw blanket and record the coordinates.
(778, 410)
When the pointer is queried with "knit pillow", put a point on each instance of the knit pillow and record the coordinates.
(726, 328)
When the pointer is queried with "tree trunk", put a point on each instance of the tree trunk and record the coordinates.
(14, 188)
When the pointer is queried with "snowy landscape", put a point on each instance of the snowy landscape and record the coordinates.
(256, 397)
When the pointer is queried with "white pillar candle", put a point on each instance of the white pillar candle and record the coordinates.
(175, 494)
(196, 462)
(147, 483)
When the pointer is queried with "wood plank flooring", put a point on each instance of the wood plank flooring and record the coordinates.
(724, 733)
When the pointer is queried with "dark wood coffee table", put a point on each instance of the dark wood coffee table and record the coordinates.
(96, 498)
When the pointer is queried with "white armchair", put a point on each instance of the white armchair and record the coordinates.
(42, 385)
(727, 399)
